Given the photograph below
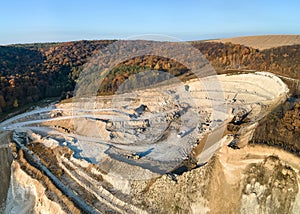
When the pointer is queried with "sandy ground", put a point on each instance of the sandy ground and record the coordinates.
(263, 42)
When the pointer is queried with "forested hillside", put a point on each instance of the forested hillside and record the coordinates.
(281, 128)
(32, 72)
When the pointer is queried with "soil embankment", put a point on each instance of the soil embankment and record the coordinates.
(5, 164)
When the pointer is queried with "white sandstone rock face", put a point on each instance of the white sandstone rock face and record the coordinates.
(27, 195)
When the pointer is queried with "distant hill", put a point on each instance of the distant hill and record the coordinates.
(264, 41)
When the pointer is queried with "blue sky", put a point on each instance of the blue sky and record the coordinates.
(53, 20)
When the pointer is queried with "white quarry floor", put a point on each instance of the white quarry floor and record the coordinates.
(170, 109)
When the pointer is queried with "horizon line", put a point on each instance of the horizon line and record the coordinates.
(128, 38)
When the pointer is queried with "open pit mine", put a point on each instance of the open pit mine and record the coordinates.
(176, 148)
